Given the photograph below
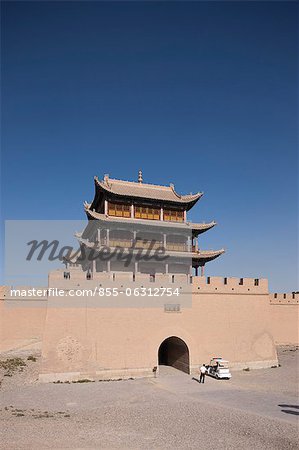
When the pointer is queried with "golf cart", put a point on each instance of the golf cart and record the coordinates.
(218, 368)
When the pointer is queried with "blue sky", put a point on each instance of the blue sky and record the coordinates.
(201, 94)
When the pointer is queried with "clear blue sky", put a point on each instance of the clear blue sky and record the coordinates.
(201, 94)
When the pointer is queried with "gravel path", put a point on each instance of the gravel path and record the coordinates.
(172, 411)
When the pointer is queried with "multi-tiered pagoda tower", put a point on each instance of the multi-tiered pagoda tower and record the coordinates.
(133, 216)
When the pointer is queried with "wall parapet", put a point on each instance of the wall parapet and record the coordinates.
(231, 285)
(208, 284)
(289, 298)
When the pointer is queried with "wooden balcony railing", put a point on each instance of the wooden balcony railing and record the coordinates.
(120, 243)
(149, 244)
(176, 247)
(128, 243)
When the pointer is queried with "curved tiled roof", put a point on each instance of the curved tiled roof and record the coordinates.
(144, 190)
(207, 255)
(201, 227)
(203, 256)
(197, 227)
(210, 253)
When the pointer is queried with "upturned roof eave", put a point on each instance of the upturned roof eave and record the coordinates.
(199, 227)
(187, 200)
(207, 255)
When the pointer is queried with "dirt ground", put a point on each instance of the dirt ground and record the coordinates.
(257, 409)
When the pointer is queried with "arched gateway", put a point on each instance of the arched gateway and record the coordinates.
(174, 352)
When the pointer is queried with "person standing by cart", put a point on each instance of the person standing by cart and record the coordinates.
(202, 371)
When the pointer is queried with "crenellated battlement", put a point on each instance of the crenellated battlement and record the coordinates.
(199, 284)
(289, 298)
(216, 285)
(231, 285)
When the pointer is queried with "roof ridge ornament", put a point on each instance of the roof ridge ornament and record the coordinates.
(171, 185)
(140, 179)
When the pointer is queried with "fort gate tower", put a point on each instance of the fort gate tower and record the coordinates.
(144, 301)
(134, 215)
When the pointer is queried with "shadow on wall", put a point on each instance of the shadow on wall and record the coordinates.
(290, 411)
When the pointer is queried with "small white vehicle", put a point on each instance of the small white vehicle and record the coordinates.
(218, 368)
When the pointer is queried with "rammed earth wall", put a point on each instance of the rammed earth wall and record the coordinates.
(240, 322)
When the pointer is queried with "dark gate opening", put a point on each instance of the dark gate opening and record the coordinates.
(174, 352)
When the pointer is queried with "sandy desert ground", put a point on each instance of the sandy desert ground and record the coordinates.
(257, 409)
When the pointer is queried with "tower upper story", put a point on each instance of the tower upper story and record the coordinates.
(138, 200)
(135, 205)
